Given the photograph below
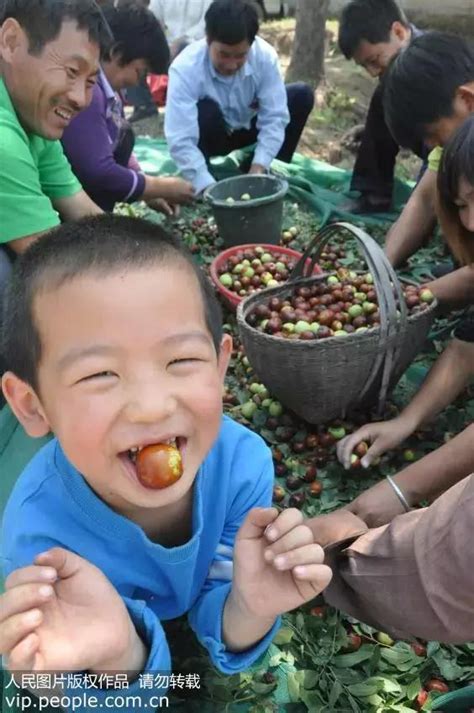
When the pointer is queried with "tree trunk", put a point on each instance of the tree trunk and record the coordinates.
(307, 60)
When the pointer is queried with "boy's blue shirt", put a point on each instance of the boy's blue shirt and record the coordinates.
(52, 505)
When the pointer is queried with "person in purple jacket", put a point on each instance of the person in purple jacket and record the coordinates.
(99, 141)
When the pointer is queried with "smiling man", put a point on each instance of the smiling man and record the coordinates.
(49, 62)
(226, 92)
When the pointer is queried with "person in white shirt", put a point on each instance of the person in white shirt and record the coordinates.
(226, 92)
(182, 21)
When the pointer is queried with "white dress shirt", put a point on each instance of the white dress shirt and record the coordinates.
(181, 19)
(257, 89)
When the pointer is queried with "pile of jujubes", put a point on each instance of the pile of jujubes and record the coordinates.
(255, 269)
(343, 304)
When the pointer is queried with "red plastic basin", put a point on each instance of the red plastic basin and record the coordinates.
(231, 299)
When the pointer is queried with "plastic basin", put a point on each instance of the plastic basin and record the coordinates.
(230, 297)
(241, 221)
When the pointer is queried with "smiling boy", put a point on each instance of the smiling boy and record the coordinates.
(120, 345)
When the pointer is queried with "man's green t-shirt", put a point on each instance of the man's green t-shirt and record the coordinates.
(33, 171)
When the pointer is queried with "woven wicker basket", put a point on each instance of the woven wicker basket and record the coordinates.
(325, 379)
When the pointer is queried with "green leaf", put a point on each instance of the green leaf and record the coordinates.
(388, 685)
(311, 679)
(399, 658)
(312, 700)
(363, 690)
(335, 694)
(263, 688)
(432, 648)
(284, 636)
(356, 657)
(448, 668)
(413, 689)
(293, 687)
(276, 659)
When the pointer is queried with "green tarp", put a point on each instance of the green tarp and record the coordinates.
(320, 186)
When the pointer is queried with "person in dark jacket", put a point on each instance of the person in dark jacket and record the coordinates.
(372, 32)
(99, 141)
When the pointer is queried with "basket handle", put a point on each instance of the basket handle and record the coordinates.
(389, 293)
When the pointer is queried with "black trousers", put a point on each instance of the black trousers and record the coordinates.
(215, 139)
(375, 163)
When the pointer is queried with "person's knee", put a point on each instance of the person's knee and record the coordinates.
(209, 110)
(302, 96)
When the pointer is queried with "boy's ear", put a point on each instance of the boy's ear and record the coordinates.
(225, 353)
(26, 405)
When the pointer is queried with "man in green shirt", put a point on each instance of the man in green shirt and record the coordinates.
(49, 62)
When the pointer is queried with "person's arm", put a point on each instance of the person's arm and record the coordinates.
(457, 288)
(72, 207)
(87, 145)
(414, 577)
(182, 130)
(445, 381)
(415, 223)
(170, 188)
(207, 617)
(76, 207)
(273, 115)
(26, 210)
(423, 480)
(19, 246)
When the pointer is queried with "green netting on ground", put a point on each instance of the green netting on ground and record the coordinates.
(319, 185)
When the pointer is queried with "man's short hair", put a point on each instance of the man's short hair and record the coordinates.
(231, 21)
(42, 20)
(420, 84)
(137, 35)
(369, 20)
(99, 246)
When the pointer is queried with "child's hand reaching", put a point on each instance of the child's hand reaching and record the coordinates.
(277, 568)
(63, 614)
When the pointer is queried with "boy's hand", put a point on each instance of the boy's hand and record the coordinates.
(277, 567)
(63, 614)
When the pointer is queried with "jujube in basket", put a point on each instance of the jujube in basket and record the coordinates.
(324, 345)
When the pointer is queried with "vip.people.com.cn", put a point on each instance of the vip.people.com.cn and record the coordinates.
(79, 693)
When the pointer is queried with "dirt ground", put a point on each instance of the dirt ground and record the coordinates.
(341, 103)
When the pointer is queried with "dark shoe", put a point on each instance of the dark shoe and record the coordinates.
(143, 112)
(444, 268)
(366, 204)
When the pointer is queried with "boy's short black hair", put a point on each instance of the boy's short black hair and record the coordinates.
(420, 84)
(369, 20)
(99, 245)
(42, 20)
(137, 35)
(231, 21)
